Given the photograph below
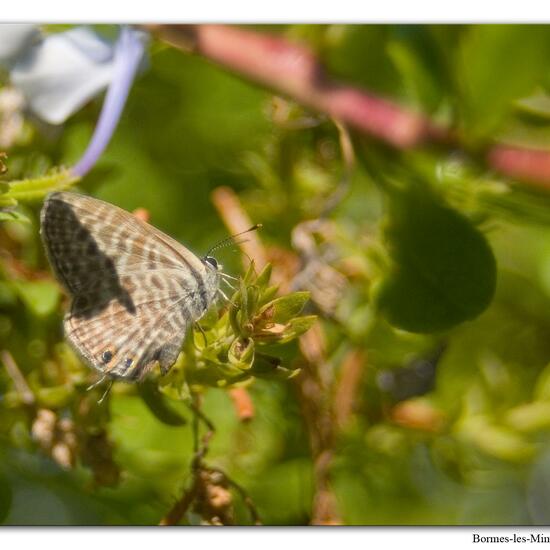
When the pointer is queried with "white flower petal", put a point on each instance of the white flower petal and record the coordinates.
(15, 38)
(65, 71)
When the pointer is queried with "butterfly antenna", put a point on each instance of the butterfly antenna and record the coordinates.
(231, 240)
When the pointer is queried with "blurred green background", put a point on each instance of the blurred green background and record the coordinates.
(443, 303)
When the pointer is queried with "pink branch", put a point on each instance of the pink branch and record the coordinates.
(294, 71)
(529, 165)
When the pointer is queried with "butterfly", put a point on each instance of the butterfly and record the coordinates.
(135, 291)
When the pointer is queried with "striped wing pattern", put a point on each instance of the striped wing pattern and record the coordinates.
(134, 290)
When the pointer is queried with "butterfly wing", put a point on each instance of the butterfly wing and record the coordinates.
(127, 344)
(135, 290)
(85, 237)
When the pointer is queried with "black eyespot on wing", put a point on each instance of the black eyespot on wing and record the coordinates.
(106, 356)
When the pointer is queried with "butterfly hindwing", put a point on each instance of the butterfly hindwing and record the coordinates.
(131, 343)
(134, 289)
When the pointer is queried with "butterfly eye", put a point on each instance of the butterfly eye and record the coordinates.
(106, 356)
(212, 262)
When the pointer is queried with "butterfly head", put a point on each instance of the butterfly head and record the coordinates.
(212, 263)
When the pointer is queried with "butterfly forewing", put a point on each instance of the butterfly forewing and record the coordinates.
(135, 290)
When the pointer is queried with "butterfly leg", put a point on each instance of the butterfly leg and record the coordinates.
(228, 284)
(229, 276)
(106, 392)
(220, 291)
(97, 383)
(197, 325)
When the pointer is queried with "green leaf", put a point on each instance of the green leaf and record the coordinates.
(54, 397)
(160, 405)
(529, 417)
(443, 271)
(498, 441)
(41, 297)
(299, 325)
(497, 65)
(263, 278)
(37, 188)
(13, 216)
(421, 80)
(7, 202)
(267, 366)
(241, 353)
(250, 274)
(8, 295)
(252, 296)
(268, 294)
(358, 53)
(537, 104)
(6, 497)
(283, 309)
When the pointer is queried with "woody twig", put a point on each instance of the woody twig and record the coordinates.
(293, 70)
(209, 492)
(319, 393)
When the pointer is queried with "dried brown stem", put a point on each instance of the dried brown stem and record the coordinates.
(352, 369)
(348, 158)
(313, 384)
(326, 411)
(27, 396)
(242, 403)
(236, 220)
(294, 71)
(249, 503)
(3, 166)
(175, 515)
(209, 491)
